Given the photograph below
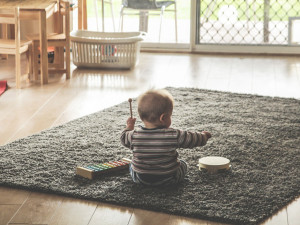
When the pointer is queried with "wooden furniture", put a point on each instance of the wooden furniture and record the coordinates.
(15, 46)
(82, 15)
(36, 10)
(3, 34)
(60, 40)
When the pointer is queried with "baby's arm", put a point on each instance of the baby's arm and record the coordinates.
(126, 134)
(188, 139)
(207, 134)
(130, 123)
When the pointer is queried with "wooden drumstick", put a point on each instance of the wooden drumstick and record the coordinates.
(130, 100)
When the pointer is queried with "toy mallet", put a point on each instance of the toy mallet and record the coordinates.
(130, 100)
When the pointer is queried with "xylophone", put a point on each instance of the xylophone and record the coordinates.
(93, 171)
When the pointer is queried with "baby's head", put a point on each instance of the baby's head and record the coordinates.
(155, 107)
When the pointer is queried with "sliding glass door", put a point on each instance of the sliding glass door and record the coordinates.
(233, 26)
(255, 26)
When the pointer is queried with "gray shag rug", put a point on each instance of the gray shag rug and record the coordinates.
(260, 135)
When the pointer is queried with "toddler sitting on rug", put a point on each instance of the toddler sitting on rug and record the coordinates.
(155, 159)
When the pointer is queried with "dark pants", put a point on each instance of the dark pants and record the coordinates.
(155, 180)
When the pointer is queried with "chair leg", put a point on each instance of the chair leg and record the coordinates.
(121, 19)
(68, 62)
(18, 69)
(29, 55)
(59, 57)
(175, 12)
(102, 8)
(5, 36)
(112, 15)
(161, 19)
(56, 55)
(96, 13)
(35, 59)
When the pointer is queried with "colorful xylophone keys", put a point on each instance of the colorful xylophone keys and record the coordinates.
(91, 171)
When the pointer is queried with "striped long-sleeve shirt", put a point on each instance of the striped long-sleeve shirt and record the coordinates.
(154, 150)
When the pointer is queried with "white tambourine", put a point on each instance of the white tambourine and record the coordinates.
(214, 164)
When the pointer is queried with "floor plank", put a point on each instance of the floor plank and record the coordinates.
(293, 211)
(180, 220)
(105, 214)
(38, 209)
(279, 218)
(73, 211)
(11, 196)
(144, 217)
(7, 212)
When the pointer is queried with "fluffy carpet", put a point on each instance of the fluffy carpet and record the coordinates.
(260, 135)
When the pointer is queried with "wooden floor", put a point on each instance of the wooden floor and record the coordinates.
(35, 108)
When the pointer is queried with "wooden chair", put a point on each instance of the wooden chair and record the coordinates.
(15, 46)
(60, 40)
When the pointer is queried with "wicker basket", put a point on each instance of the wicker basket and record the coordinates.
(105, 50)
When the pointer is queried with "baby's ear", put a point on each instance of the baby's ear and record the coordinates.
(162, 117)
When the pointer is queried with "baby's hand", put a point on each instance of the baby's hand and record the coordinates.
(130, 123)
(208, 135)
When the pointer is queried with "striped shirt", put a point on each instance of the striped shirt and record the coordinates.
(154, 150)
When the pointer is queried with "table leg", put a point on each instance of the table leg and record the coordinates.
(79, 14)
(4, 36)
(43, 46)
(82, 15)
(84, 9)
(58, 28)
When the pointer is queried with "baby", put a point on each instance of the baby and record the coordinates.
(155, 159)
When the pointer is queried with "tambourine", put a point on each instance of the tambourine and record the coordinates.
(214, 164)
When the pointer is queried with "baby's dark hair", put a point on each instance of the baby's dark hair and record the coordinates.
(153, 103)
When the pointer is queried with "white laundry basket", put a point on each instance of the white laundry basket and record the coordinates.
(105, 50)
